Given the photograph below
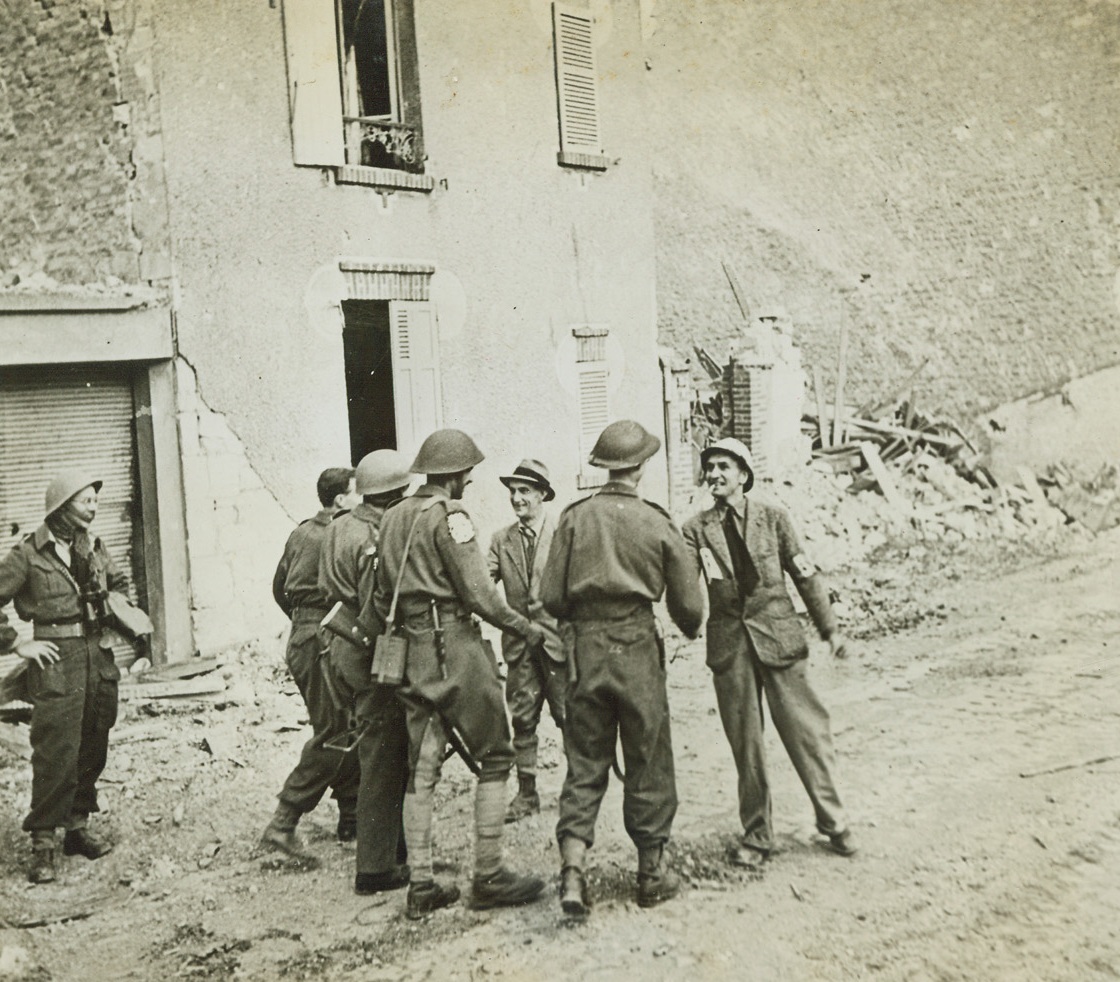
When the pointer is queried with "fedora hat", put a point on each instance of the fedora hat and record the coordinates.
(532, 472)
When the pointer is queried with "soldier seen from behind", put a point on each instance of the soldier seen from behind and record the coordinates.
(347, 574)
(612, 557)
(755, 646)
(295, 588)
(534, 675)
(432, 581)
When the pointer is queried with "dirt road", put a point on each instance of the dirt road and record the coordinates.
(968, 869)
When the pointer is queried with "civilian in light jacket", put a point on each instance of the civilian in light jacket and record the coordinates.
(756, 645)
(535, 676)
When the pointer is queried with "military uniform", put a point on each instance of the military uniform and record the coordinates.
(347, 569)
(295, 587)
(431, 561)
(613, 556)
(60, 578)
(74, 699)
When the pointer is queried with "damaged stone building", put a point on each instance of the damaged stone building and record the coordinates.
(243, 240)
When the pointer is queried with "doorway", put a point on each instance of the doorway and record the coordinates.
(367, 350)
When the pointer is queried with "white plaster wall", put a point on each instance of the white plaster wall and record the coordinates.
(523, 249)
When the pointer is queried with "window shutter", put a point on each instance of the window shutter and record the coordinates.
(576, 82)
(314, 86)
(416, 385)
(594, 415)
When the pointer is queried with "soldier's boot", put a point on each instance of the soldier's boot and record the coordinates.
(574, 899)
(428, 895)
(656, 882)
(526, 802)
(493, 885)
(347, 820)
(42, 869)
(280, 836)
(82, 842)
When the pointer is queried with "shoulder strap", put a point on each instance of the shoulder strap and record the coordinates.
(404, 561)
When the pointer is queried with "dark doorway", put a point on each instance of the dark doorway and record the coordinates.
(369, 376)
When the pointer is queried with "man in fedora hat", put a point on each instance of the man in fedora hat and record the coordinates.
(613, 556)
(534, 675)
(59, 578)
(756, 646)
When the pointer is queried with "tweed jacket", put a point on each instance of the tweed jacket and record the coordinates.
(766, 616)
(506, 561)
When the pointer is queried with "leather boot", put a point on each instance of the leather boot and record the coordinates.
(527, 802)
(428, 895)
(280, 836)
(504, 889)
(574, 899)
(42, 858)
(656, 882)
(82, 842)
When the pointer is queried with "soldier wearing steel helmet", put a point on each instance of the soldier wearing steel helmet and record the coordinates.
(432, 582)
(347, 573)
(755, 646)
(613, 556)
(59, 578)
(295, 588)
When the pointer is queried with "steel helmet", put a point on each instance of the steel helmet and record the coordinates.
(447, 452)
(735, 449)
(65, 486)
(623, 444)
(380, 472)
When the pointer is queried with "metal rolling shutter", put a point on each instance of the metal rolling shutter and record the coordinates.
(58, 417)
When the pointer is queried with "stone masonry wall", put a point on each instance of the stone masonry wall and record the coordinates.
(943, 177)
(65, 147)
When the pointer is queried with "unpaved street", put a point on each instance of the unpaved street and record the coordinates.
(967, 869)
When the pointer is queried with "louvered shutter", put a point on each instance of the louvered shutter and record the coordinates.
(416, 386)
(576, 82)
(56, 419)
(594, 414)
(314, 83)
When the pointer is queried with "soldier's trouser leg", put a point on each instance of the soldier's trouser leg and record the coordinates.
(802, 723)
(739, 697)
(383, 756)
(424, 776)
(525, 698)
(490, 807)
(554, 680)
(620, 688)
(649, 796)
(318, 767)
(68, 750)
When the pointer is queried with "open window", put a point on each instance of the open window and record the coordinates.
(354, 86)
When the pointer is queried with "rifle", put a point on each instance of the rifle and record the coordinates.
(457, 745)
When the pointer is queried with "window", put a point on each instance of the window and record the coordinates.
(354, 88)
(592, 377)
(577, 100)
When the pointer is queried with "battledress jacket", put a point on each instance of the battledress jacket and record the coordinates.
(765, 618)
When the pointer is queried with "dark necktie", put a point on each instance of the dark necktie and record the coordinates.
(529, 541)
(746, 573)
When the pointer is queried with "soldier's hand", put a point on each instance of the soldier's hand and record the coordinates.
(838, 644)
(534, 637)
(43, 653)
